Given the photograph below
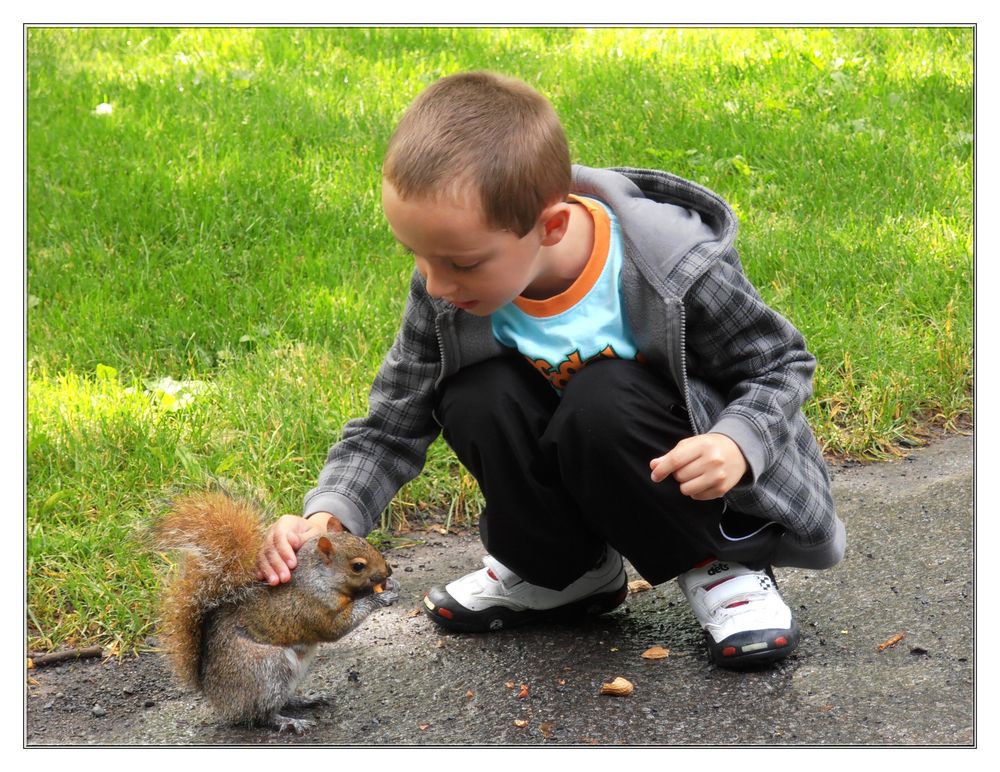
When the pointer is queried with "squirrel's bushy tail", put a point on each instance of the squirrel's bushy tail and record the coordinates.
(217, 539)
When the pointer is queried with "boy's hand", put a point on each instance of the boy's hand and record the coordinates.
(282, 540)
(707, 466)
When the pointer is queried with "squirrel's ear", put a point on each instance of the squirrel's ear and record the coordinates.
(326, 548)
(333, 524)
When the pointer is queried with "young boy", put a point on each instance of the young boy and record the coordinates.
(594, 355)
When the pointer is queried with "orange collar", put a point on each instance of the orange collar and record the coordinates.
(588, 277)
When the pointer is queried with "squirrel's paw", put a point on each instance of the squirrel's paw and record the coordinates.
(390, 594)
(286, 724)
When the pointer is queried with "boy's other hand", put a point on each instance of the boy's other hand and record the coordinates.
(707, 466)
(282, 540)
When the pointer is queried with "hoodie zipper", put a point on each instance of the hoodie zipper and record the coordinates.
(687, 390)
(684, 372)
(441, 349)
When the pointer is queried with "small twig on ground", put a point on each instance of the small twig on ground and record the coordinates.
(62, 656)
(891, 642)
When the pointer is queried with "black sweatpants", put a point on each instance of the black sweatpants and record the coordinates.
(563, 476)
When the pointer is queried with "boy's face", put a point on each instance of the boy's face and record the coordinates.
(464, 261)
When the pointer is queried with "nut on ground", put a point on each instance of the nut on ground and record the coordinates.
(618, 688)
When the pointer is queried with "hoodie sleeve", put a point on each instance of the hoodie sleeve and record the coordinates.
(381, 452)
(752, 356)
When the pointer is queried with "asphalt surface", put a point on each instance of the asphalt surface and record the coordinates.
(400, 681)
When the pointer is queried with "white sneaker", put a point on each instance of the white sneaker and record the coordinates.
(745, 620)
(495, 597)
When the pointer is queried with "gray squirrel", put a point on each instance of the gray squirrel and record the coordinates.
(247, 645)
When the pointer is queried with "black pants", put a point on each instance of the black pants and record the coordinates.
(562, 477)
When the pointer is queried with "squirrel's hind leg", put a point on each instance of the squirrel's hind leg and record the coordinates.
(298, 725)
(299, 659)
(257, 687)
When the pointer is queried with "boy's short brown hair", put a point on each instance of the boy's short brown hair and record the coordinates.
(493, 134)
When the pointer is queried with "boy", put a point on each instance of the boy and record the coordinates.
(590, 348)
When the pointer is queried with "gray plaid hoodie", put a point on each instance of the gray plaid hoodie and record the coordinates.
(743, 369)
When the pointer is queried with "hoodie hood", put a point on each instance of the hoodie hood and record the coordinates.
(666, 216)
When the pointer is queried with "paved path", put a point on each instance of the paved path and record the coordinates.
(908, 570)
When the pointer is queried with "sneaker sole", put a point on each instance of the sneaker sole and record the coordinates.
(448, 613)
(753, 647)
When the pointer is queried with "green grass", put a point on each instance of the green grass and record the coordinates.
(221, 229)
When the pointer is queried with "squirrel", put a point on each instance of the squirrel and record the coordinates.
(245, 644)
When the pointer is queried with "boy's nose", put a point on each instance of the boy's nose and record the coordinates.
(437, 285)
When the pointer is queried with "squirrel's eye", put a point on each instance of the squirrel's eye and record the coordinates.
(358, 566)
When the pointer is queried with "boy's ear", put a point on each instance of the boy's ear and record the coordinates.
(554, 222)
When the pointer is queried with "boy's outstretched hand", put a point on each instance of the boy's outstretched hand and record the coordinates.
(282, 540)
(707, 466)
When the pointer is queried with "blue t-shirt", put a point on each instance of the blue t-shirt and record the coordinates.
(559, 335)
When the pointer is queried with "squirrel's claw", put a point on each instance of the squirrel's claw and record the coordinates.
(297, 725)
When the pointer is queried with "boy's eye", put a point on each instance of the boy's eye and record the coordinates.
(463, 268)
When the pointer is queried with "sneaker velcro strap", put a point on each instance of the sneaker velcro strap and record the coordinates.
(738, 588)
